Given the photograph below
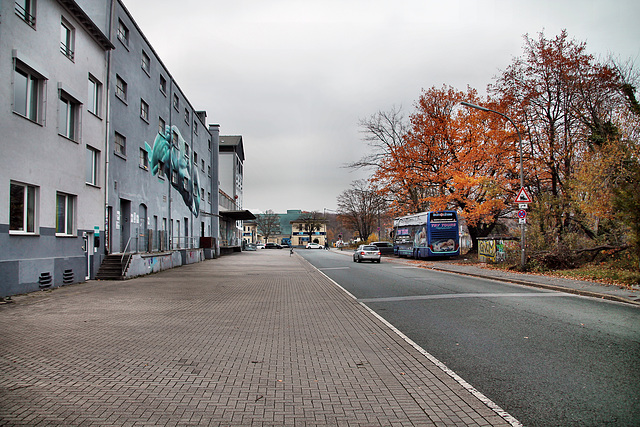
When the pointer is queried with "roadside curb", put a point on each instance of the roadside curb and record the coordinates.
(556, 288)
(543, 286)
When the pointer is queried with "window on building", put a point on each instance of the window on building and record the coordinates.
(28, 93)
(67, 39)
(94, 96)
(92, 166)
(161, 125)
(163, 85)
(202, 160)
(65, 214)
(176, 102)
(26, 9)
(186, 116)
(195, 158)
(121, 88)
(208, 170)
(144, 110)
(22, 209)
(146, 62)
(195, 127)
(160, 170)
(187, 153)
(201, 193)
(144, 159)
(68, 116)
(209, 196)
(120, 144)
(174, 138)
(123, 33)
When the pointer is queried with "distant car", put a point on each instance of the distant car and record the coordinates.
(260, 246)
(386, 248)
(285, 245)
(314, 246)
(272, 246)
(250, 247)
(367, 253)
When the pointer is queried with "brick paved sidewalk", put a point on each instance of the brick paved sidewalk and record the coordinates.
(257, 338)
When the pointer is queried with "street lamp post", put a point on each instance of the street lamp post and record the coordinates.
(523, 258)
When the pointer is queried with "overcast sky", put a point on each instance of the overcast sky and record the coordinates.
(295, 77)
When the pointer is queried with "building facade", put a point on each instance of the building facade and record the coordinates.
(161, 170)
(102, 151)
(53, 118)
(231, 192)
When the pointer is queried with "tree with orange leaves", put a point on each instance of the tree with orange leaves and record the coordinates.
(460, 159)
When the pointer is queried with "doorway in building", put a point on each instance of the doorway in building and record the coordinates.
(125, 225)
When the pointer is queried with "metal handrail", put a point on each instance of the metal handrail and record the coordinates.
(124, 253)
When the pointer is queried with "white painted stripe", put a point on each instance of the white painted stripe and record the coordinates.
(463, 295)
(484, 399)
(334, 268)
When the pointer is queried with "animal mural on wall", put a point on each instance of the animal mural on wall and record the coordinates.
(174, 161)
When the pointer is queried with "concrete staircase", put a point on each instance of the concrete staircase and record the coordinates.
(114, 267)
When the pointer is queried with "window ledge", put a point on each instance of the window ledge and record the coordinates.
(23, 233)
(122, 156)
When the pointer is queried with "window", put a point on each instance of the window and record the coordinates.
(121, 88)
(161, 125)
(144, 159)
(186, 116)
(160, 170)
(67, 39)
(92, 166)
(94, 96)
(186, 150)
(174, 138)
(22, 210)
(68, 116)
(64, 214)
(163, 85)
(202, 160)
(123, 33)
(28, 93)
(195, 159)
(208, 170)
(209, 196)
(146, 62)
(144, 110)
(176, 102)
(120, 144)
(195, 127)
(26, 9)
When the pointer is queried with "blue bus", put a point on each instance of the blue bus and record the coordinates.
(427, 234)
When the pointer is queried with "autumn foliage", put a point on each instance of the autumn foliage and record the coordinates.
(579, 121)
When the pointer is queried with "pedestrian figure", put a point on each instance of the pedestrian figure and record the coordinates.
(291, 251)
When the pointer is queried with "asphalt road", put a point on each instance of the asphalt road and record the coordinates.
(547, 358)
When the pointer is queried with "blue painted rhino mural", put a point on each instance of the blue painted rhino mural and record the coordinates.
(174, 160)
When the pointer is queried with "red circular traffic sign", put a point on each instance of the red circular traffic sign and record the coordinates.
(522, 214)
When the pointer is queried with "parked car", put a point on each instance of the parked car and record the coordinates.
(260, 246)
(272, 246)
(386, 248)
(367, 253)
(314, 246)
(250, 247)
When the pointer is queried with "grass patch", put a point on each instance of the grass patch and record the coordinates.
(601, 273)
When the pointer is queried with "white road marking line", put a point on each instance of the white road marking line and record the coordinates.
(464, 295)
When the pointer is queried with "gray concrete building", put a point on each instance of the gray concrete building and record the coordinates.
(102, 152)
(161, 170)
(52, 114)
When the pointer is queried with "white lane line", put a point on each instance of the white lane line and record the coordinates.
(334, 268)
(463, 295)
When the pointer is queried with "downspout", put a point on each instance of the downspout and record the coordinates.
(107, 228)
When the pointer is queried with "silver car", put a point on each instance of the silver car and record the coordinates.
(367, 253)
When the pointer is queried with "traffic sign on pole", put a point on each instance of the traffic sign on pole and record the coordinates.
(523, 196)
